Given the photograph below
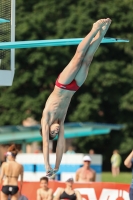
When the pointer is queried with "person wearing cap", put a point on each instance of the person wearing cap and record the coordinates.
(68, 192)
(9, 174)
(85, 174)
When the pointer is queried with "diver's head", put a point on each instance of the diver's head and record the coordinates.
(54, 130)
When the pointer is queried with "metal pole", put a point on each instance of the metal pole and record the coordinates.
(24, 146)
(12, 34)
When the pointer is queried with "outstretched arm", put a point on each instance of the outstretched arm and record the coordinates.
(60, 147)
(128, 160)
(45, 136)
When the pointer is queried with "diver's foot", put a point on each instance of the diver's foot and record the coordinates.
(99, 24)
(55, 171)
(52, 173)
(49, 173)
(105, 27)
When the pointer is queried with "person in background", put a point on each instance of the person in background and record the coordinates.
(22, 197)
(91, 152)
(115, 163)
(50, 150)
(44, 192)
(68, 82)
(68, 192)
(70, 150)
(129, 164)
(10, 171)
(85, 174)
(38, 150)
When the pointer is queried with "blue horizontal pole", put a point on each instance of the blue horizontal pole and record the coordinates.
(55, 42)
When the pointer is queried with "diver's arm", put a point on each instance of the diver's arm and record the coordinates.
(60, 147)
(45, 136)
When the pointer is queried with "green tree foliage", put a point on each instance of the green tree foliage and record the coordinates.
(107, 94)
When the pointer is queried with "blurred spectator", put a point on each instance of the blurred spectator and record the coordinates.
(9, 174)
(30, 121)
(22, 197)
(3, 150)
(68, 192)
(85, 173)
(115, 163)
(129, 164)
(91, 152)
(50, 150)
(70, 150)
(38, 150)
(44, 192)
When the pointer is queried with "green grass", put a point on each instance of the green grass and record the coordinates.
(123, 177)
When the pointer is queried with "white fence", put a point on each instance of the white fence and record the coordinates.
(34, 165)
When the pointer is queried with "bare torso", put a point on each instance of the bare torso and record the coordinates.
(45, 194)
(86, 175)
(57, 105)
(12, 170)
